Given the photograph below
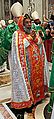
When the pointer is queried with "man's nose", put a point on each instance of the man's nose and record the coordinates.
(29, 23)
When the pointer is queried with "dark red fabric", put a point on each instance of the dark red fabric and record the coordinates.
(48, 49)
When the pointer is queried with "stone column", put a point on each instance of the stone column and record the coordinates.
(2, 7)
(38, 7)
(9, 7)
(25, 5)
(47, 8)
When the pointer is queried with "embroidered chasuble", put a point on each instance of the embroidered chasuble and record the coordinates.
(26, 71)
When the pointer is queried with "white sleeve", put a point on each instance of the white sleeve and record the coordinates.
(52, 116)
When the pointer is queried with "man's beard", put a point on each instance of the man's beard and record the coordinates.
(27, 30)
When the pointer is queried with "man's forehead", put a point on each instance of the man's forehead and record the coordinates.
(27, 19)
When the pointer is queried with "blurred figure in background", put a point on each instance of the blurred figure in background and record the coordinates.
(3, 24)
(51, 21)
(3, 52)
(36, 25)
(48, 43)
(51, 81)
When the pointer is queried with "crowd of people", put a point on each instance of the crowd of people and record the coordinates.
(28, 46)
